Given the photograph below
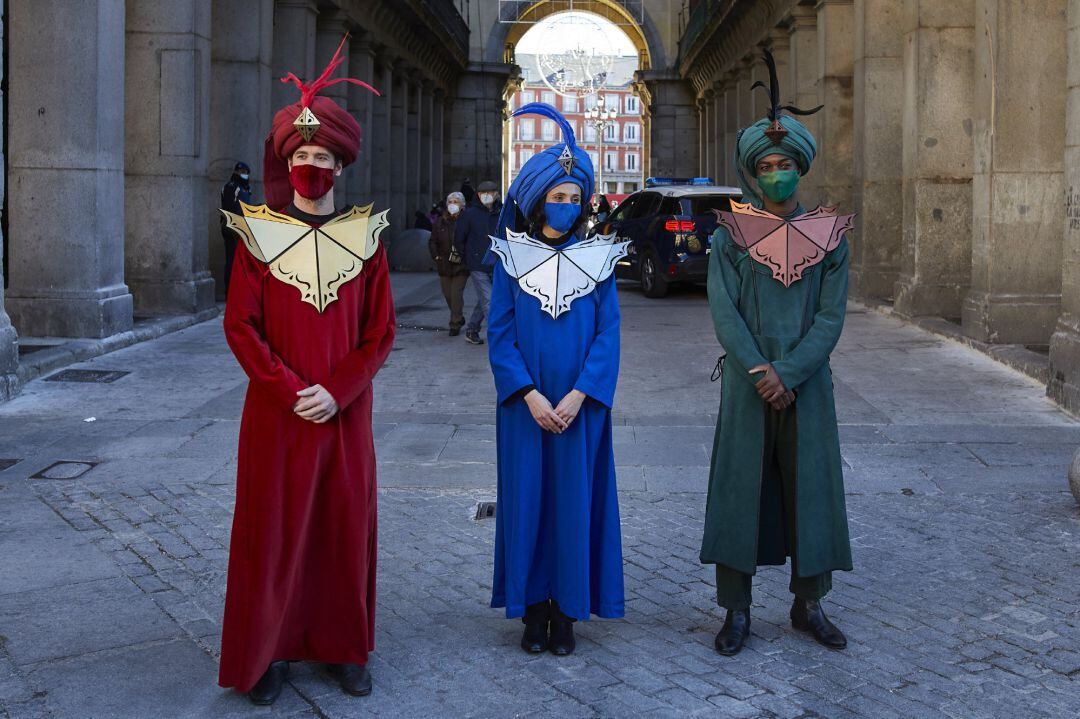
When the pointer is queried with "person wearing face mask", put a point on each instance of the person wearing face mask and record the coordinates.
(553, 344)
(778, 279)
(310, 319)
(453, 273)
(471, 240)
(233, 192)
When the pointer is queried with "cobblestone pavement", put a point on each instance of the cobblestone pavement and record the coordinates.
(963, 602)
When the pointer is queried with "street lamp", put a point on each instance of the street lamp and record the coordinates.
(600, 117)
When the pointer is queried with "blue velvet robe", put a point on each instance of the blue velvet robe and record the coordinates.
(557, 529)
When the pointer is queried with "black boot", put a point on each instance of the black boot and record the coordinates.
(268, 688)
(733, 635)
(810, 617)
(355, 679)
(562, 632)
(535, 637)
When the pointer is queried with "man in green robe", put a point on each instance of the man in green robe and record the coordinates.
(776, 488)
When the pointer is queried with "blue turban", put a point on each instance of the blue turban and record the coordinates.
(544, 170)
(753, 144)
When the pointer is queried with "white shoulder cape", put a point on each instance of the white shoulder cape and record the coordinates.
(558, 277)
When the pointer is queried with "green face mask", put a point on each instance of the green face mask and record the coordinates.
(779, 185)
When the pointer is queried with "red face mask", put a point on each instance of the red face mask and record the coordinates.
(311, 181)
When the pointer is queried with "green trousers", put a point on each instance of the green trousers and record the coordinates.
(778, 475)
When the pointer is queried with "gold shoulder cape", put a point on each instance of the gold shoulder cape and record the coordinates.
(315, 260)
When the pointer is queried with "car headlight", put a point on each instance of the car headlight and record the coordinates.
(693, 244)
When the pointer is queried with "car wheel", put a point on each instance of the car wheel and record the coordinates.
(653, 283)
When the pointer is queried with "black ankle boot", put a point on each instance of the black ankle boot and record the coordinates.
(355, 679)
(268, 688)
(733, 635)
(808, 616)
(535, 637)
(562, 632)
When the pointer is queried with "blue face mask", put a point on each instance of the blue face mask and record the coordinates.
(561, 215)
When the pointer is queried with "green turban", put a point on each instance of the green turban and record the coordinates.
(753, 144)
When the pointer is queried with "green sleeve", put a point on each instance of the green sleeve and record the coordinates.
(731, 329)
(814, 349)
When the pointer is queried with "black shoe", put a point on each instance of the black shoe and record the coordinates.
(562, 633)
(535, 637)
(455, 331)
(473, 337)
(810, 617)
(733, 635)
(355, 679)
(268, 688)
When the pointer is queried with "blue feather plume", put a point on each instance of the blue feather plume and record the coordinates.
(545, 110)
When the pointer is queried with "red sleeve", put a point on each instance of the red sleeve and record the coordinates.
(244, 332)
(354, 373)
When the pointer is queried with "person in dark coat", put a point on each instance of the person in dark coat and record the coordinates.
(472, 238)
(233, 192)
(453, 272)
(423, 222)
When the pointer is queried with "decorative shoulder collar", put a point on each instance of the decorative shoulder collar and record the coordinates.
(787, 247)
(557, 277)
(316, 261)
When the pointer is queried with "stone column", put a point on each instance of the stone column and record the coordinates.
(877, 195)
(674, 124)
(836, 52)
(166, 150)
(1065, 343)
(427, 191)
(935, 256)
(475, 125)
(731, 125)
(381, 120)
(705, 151)
(438, 123)
(413, 121)
(294, 48)
(9, 347)
(1019, 122)
(801, 85)
(716, 131)
(361, 103)
(65, 138)
(240, 113)
(401, 215)
(330, 28)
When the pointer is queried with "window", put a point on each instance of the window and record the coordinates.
(623, 211)
(595, 157)
(549, 98)
(526, 129)
(631, 161)
(611, 162)
(547, 130)
(590, 132)
(630, 187)
(632, 105)
(611, 132)
(646, 205)
(612, 188)
(525, 156)
(630, 132)
(569, 104)
(526, 97)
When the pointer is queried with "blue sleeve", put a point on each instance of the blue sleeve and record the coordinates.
(601, 370)
(507, 364)
(813, 350)
(724, 286)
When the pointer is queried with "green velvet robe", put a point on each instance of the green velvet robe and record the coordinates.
(799, 326)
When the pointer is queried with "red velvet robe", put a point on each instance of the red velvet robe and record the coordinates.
(301, 581)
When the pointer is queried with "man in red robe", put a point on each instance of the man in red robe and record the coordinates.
(301, 583)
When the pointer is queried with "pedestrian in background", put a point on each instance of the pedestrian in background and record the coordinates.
(233, 192)
(472, 238)
(453, 272)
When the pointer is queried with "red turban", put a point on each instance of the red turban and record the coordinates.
(338, 131)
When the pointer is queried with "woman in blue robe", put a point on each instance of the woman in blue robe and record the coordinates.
(554, 350)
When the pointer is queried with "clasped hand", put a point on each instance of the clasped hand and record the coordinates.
(557, 419)
(771, 388)
(315, 404)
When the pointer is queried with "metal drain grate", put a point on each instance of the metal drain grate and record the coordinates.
(65, 469)
(5, 463)
(100, 376)
(484, 510)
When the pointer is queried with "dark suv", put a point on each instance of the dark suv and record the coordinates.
(669, 227)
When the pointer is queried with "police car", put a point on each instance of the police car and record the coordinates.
(668, 224)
